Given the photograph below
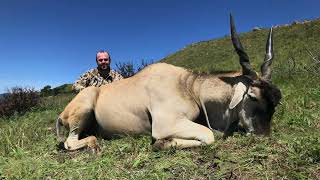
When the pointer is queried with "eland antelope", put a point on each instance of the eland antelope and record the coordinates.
(167, 102)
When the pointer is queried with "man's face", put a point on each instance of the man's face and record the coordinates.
(103, 60)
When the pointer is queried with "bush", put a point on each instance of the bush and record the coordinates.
(18, 100)
(128, 69)
(46, 91)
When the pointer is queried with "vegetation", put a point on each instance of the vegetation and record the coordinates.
(18, 100)
(48, 91)
(128, 69)
(28, 142)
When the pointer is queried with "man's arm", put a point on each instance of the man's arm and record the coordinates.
(82, 82)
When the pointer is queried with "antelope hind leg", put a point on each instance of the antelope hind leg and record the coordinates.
(73, 143)
(78, 117)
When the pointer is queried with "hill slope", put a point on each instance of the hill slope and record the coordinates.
(219, 54)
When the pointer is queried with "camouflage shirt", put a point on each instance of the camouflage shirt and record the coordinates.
(93, 78)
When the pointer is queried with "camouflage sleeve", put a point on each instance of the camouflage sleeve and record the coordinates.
(82, 82)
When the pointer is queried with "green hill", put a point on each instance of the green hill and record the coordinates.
(28, 142)
(218, 54)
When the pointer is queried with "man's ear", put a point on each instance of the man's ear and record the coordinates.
(238, 95)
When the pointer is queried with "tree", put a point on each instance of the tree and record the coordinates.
(46, 91)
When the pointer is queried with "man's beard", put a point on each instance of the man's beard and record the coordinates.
(104, 68)
(104, 72)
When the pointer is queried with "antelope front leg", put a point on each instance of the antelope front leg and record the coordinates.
(184, 134)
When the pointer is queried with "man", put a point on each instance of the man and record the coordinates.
(101, 75)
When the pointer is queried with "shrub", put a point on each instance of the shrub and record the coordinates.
(46, 91)
(18, 100)
(128, 69)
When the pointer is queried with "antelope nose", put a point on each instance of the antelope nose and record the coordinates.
(250, 132)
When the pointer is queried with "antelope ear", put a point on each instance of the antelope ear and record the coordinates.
(238, 95)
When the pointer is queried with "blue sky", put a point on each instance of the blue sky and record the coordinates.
(52, 42)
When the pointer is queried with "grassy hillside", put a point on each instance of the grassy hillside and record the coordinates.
(219, 54)
(28, 142)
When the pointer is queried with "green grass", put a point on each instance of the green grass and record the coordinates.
(28, 142)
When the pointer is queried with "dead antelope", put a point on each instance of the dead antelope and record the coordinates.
(166, 101)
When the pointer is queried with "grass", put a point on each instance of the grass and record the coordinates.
(28, 142)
